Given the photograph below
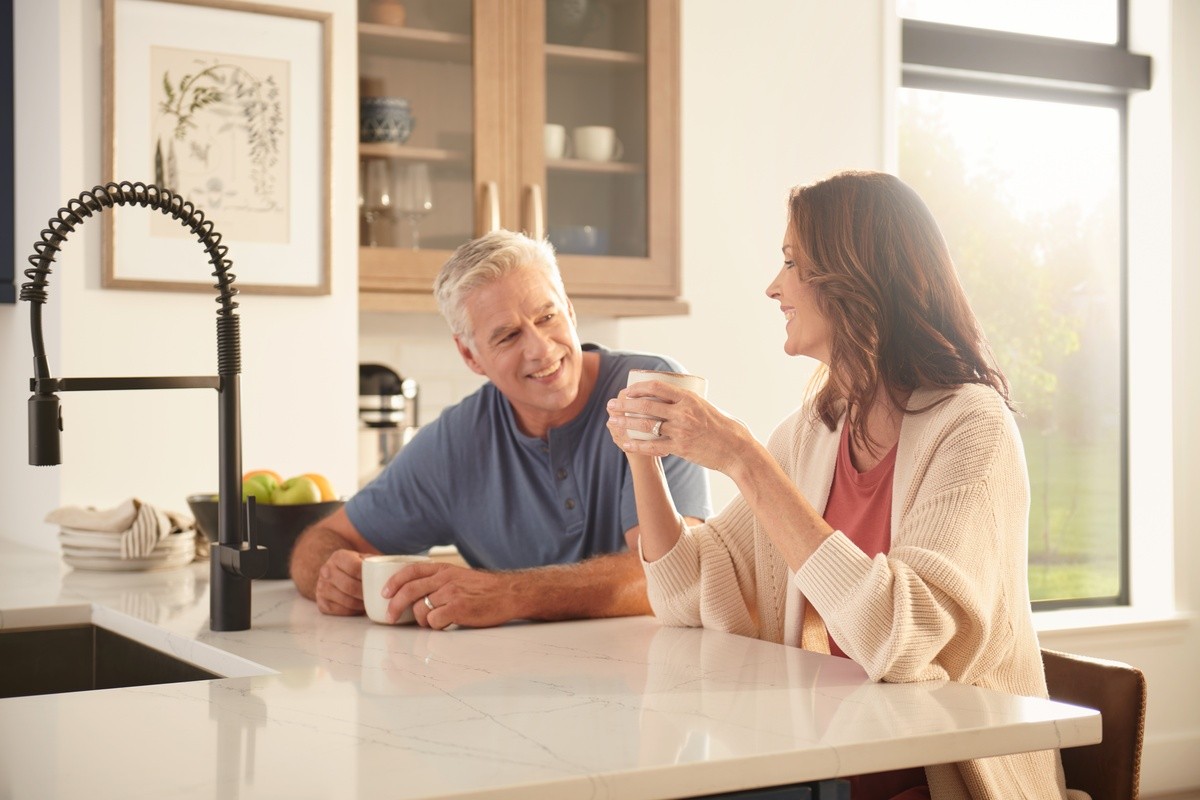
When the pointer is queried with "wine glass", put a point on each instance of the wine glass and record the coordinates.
(377, 199)
(414, 197)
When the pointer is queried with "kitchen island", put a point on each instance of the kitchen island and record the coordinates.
(329, 707)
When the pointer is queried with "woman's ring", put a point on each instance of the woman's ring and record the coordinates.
(429, 604)
(657, 429)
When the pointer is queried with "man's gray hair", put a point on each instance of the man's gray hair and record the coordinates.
(486, 259)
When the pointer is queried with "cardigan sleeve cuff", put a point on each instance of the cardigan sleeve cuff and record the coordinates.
(677, 572)
(833, 571)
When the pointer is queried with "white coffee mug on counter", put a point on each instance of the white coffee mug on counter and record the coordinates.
(375, 573)
(597, 143)
(693, 383)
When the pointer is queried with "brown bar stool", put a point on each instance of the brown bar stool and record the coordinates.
(1109, 770)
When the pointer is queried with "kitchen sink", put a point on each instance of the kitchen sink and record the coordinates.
(82, 657)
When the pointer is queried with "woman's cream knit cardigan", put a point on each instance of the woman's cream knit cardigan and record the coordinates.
(949, 601)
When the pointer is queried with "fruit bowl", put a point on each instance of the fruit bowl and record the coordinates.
(278, 526)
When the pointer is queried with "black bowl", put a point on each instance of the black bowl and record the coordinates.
(277, 527)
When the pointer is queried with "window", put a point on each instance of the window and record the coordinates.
(1016, 142)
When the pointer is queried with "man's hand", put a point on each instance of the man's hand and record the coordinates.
(460, 596)
(339, 584)
(610, 585)
(326, 567)
(326, 564)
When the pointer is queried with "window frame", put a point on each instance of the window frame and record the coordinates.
(951, 58)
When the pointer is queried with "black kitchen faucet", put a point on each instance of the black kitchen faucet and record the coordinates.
(236, 558)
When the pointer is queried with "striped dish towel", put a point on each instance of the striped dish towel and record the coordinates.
(139, 524)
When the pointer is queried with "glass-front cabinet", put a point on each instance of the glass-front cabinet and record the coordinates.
(556, 117)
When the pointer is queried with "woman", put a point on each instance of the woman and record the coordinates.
(893, 505)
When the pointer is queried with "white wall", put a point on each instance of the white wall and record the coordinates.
(1185, 191)
(27, 493)
(785, 93)
(1175, 659)
(299, 355)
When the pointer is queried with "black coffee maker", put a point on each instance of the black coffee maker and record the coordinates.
(387, 415)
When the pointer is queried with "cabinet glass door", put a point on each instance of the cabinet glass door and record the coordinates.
(416, 138)
(609, 144)
(596, 133)
(556, 117)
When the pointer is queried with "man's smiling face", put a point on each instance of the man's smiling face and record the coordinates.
(526, 344)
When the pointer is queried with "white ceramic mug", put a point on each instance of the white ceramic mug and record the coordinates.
(554, 139)
(693, 383)
(597, 143)
(375, 573)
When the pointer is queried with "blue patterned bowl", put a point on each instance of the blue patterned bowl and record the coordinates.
(384, 119)
(569, 21)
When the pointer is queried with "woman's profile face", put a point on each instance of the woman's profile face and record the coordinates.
(806, 327)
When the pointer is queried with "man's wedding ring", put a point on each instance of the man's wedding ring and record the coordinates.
(428, 603)
(657, 429)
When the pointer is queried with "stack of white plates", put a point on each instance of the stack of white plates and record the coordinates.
(102, 551)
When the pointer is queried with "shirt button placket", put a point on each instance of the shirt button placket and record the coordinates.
(568, 491)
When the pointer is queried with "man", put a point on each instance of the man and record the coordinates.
(521, 476)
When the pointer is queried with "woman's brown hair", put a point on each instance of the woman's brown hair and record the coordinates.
(883, 278)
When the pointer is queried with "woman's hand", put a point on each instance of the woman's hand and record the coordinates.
(691, 427)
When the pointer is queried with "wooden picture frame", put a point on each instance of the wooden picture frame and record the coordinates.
(228, 104)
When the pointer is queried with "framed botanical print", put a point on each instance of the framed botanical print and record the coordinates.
(227, 105)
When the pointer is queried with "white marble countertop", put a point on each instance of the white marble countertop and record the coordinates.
(327, 707)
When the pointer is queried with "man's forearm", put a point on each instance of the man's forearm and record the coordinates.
(611, 585)
(313, 549)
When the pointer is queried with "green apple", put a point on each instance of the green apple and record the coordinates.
(260, 487)
(295, 491)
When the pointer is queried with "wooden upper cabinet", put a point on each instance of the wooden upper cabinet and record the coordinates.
(556, 117)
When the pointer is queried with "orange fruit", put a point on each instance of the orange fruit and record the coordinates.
(320, 480)
(270, 473)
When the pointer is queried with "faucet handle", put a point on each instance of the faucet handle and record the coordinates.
(250, 520)
(251, 560)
